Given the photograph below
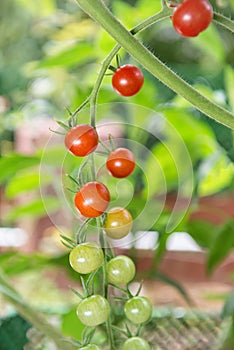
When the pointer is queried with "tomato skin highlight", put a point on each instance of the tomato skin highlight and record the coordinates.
(136, 343)
(120, 270)
(92, 199)
(127, 80)
(86, 257)
(81, 140)
(93, 311)
(192, 17)
(118, 223)
(138, 309)
(121, 162)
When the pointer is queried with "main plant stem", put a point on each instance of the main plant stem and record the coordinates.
(99, 12)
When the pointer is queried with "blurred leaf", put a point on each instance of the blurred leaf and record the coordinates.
(11, 164)
(221, 246)
(14, 263)
(125, 12)
(229, 83)
(71, 325)
(202, 232)
(45, 7)
(212, 45)
(216, 173)
(17, 327)
(228, 308)
(35, 209)
(72, 56)
(24, 182)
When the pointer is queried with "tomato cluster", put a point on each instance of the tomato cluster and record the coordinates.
(191, 17)
(92, 200)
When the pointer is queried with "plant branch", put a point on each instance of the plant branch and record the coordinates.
(99, 12)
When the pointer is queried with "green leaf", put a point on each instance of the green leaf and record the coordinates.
(229, 83)
(202, 232)
(71, 325)
(16, 326)
(36, 209)
(13, 163)
(72, 56)
(217, 173)
(25, 182)
(14, 263)
(221, 246)
(212, 45)
(228, 308)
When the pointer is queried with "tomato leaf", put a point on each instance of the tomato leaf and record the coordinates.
(228, 308)
(72, 326)
(221, 246)
(10, 165)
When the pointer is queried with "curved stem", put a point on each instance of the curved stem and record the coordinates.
(106, 63)
(101, 14)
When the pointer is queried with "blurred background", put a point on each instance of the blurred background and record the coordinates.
(181, 194)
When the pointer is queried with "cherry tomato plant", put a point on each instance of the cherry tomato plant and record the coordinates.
(97, 260)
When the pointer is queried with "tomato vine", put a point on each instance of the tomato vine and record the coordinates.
(92, 198)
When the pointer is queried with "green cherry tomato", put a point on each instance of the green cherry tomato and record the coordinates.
(136, 343)
(86, 257)
(93, 310)
(120, 270)
(90, 347)
(138, 309)
(118, 223)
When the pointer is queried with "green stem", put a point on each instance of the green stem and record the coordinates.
(107, 62)
(99, 12)
(31, 315)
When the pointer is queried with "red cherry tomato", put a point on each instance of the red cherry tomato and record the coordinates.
(121, 162)
(192, 17)
(92, 199)
(81, 140)
(127, 80)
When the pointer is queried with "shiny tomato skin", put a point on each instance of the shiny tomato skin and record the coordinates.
(118, 223)
(127, 80)
(120, 162)
(86, 257)
(81, 140)
(192, 17)
(93, 311)
(92, 199)
(136, 343)
(120, 270)
(138, 309)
